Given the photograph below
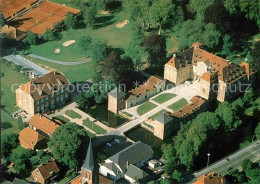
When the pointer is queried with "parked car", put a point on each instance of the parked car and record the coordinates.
(117, 141)
(109, 145)
(229, 168)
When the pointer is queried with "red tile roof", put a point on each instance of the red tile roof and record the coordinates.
(211, 178)
(43, 124)
(47, 169)
(29, 138)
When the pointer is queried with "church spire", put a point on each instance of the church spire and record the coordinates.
(89, 161)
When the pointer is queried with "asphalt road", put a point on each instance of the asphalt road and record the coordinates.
(251, 152)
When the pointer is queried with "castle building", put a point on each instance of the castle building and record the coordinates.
(116, 100)
(218, 78)
(43, 94)
(163, 126)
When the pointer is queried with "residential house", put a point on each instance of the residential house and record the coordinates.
(218, 78)
(43, 94)
(211, 178)
(46, 172)
(135, 174)
(43, 125)
(30, 139)
(117, 165)
(13, 33)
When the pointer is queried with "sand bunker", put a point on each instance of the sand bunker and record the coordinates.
(104, 12)
(67, 43)
(122, 23)
(57, 51)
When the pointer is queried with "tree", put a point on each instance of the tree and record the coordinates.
(8, 142)
(70, 20)
(155, 46)
(80, 100)
(165, 181)
(177, 176)
(58, 26)
(84, 43)
(66, 144)
(199, 7)
(98, 50)
(151, 182)
(160, 12)
(40, 158)
(89, 17)
(20, 123)
(31, 38)
(227, 45)
(49, 35)
(249, 95)
(21, 159)
(2, 20)
(257, 131)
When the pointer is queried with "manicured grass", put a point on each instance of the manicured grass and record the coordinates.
(62, 119)
(164, 97)
(75, 73)
(9, 83)
(148, 106)
(105, 29)
(179, 104)
(73, 114)
(157, 114)
(94, 127)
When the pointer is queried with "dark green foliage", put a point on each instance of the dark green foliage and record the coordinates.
(257, 131)
(40, 158)
(2, 20)
(177, 176)
(199, 7)
(8, 142)
(89, 17)
(84, 43)
(20, 123)
(98, 50)
(192, 31)
(165, 181)
(155, 46)
(236, 177)
(227, 45)
(70, 20)
(49, 35)
(57, 27)
(249, 95)
(31, 38)
(21, 159)
(68, 144)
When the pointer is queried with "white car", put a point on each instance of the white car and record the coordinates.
(117, 141)
(109, 145)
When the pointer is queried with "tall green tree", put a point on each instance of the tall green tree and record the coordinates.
(99, 50)
(89, 17)
(199, 7)
(40, 158)
(31, 38)
(66, 144)
(227, 45)
(2, 20)
(70, 20)
(20, 123)
(160, 12)
(84, 43)
(177, 176)
(257, 131)
(21, 159)
(49, 35)
(8, 143)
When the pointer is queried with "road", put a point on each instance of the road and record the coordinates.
(60, 62)
(251, 152)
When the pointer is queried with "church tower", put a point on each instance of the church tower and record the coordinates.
(87, 168)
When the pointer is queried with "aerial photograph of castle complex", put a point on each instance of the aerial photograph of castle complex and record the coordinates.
(130, 91)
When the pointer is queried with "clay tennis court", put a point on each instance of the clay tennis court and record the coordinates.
(43, 17)
(10, 7)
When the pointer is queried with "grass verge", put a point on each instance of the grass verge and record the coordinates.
(164, 97)
(148, 106)
(179, 104)
(91, 125)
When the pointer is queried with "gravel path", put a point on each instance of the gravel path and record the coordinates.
(60, 62)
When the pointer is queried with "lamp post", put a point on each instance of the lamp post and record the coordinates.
(208, 160)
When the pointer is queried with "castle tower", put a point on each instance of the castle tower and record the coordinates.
(88, 167)
(116, 100)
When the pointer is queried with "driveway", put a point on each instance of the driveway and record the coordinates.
(60, 62)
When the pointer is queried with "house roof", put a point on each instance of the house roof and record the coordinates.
(19, 181)
(210, 178)
(112, 167)
(149, 85)
(164, 118)
(117, 93)
(209, 76)
(135, 173)
(101, 179)
(132, 154)
(12, 32)
(48, 168)
(89, 161)
(195, 103)
(43, 123)
(45, 85)
(30, 137)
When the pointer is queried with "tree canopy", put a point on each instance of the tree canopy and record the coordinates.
(8, 143)
(70, 20)
(31, 38)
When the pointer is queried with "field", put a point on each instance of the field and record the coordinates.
(157, 114)
(144, 108)
(179, 104)
(164, 97)
(8, 99)
(73, 114)
(43, 17)
(94, 127)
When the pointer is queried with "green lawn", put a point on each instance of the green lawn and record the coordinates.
(164, 97)
(148, 106)
(62, 119)
(73, 114)
(157, 114)
(75, 73)
(94, 127)
(9, 83)
(179, 104)
(106, 29)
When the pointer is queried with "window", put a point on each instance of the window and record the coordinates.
(19, 94)
(37, 102)
(52, 101)
(46, 104)
(46, 98)
(57, 99)
(61, 97)
(38, 108)
(66, 95)
(66, 89)
(42, 100)
(62, 90)
(52, 95)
